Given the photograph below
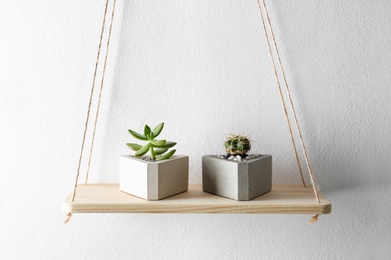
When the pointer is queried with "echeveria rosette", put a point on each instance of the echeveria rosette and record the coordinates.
(158, 149)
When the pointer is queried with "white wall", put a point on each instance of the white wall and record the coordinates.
(202, 67)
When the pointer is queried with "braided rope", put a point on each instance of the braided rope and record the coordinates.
(90, 102)
(69, 214)
(100, 91)
(292, 107)
(283, 100)
(281, 95)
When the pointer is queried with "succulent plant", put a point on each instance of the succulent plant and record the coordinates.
(156, 148)
(237, 145)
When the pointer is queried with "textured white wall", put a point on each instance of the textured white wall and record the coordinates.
(202, 67)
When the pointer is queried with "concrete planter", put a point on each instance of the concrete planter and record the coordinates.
(238, 180)
(153, 180)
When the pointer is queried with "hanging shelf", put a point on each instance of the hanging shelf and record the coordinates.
(107, 198)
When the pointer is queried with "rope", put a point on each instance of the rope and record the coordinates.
(100, 91)
(69, 214)
(90, 102)
(314, 186)
(280, 92)
(292, 107)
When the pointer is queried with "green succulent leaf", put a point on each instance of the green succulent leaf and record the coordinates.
(152, 152)
(134, 147)
(168, 144)
(137, 135)
(159, 151)
(157, 130)
(147, 131)
(143, 150)
(157, 143)
(166, 156)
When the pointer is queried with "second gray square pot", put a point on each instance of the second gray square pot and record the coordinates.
(238, 180)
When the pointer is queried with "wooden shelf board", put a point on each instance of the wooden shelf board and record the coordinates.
(107, 198)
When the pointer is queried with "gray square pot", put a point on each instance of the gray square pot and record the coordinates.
(238, 180)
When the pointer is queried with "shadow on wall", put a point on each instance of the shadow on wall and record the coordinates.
(356, 175)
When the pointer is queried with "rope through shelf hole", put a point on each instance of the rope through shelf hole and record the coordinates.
(69, 214)
(314, 186)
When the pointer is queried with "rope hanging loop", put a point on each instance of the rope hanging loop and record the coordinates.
(312, 220)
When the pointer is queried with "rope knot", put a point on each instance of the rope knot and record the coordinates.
(313, 219)
(67, 217)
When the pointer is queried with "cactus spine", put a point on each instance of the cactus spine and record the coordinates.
(237, 145)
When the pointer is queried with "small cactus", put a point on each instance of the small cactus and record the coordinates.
(156, 148)
(237, 145)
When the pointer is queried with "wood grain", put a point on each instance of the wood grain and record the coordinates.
(107, 198)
